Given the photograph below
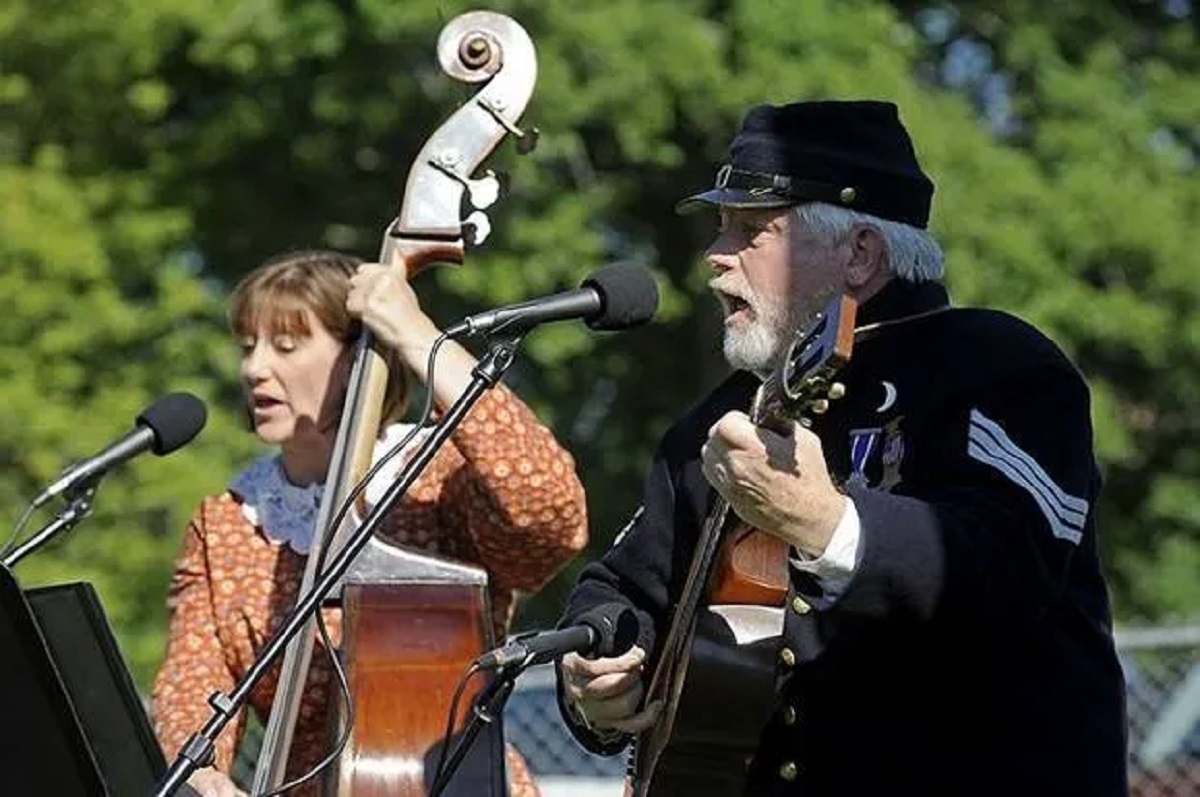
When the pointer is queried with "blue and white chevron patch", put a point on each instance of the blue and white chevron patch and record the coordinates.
(989, 444)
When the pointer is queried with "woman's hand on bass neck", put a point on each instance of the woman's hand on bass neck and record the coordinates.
(382, 297)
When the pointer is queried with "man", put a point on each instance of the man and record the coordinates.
(948, 628)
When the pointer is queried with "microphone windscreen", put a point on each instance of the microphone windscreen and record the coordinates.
(175, 419)
(616, 628)
(628, 296)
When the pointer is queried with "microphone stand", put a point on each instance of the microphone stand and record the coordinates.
(199, 750)
(488, 706)
(79, 507)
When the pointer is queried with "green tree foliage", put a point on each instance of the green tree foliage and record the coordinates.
(145, 165)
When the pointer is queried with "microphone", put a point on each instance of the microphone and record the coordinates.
(605, 631)
(614, 297)
(164, 426)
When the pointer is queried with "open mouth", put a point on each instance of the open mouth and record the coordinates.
(264, 403)
(735, 306)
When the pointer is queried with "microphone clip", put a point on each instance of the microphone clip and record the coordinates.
(79, 505)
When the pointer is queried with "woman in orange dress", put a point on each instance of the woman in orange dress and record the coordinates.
(501, 494)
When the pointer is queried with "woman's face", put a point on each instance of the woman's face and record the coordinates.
(294, 383)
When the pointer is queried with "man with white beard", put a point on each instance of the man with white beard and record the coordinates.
(947, 628)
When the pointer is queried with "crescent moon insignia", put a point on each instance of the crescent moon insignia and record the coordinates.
(889, 397)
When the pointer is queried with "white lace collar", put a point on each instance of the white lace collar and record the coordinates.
(287, 512)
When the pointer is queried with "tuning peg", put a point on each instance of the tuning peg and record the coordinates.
(837, 390)
(806, 422)
(527, 142)
(526, 139)
(483, 192)
(476, 228)
(819, 407)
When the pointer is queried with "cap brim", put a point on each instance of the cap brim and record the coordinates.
(737, 198)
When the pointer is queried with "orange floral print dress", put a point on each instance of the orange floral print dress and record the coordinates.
(501, 494)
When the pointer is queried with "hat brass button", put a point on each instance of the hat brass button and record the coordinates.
(847, 195)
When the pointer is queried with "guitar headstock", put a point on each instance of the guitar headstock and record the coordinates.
(803, 384)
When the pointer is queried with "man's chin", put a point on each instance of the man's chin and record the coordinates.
(750, 355)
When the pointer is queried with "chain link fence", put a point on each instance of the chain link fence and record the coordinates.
(1162, 671)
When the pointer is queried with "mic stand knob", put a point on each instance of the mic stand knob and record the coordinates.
(78, 507)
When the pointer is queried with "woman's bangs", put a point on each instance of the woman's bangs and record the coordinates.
(278, 311)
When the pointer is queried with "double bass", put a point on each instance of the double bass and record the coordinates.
(412, 623)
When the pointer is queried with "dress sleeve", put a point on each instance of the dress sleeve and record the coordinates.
(194, 666)
(515, 494)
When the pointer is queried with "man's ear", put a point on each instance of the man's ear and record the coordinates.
(868, 255)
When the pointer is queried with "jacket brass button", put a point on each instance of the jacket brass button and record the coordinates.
(788, 770)
(789, 715)
(788, 657)
(800, 606)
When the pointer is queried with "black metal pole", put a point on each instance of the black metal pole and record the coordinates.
(487, 708)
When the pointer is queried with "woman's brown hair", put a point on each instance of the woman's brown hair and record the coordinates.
(278, 292)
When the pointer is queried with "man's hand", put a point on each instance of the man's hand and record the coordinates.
(606, 693)
(778, 484)
(212, 783)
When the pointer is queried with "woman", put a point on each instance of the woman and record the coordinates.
(502, 494)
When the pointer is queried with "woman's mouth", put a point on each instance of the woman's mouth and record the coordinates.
(264, 405)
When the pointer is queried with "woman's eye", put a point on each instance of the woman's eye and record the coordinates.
(284, 343)
(247, 345)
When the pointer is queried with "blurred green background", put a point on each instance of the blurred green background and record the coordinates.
(151, 151)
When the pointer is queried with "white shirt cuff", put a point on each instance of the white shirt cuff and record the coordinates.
(835, 567)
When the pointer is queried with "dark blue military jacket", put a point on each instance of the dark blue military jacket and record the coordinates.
(972, 652)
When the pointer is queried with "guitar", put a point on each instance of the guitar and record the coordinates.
(724, 636)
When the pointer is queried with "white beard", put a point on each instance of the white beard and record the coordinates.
(757, 346)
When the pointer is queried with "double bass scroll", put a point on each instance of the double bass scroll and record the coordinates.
(441, 213)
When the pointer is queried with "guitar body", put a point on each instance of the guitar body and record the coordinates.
(727, 694)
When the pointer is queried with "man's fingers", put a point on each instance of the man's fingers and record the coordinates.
(606, 713)
(580, 669)
(641, 720)
(611, 685)
(736, 431)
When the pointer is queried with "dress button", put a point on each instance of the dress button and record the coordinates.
(800, 606)
(789, 715)
(788, 657)
(788, 770)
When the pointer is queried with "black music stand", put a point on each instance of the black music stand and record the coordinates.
(71, 722)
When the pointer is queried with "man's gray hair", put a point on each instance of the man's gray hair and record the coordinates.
(912, 253)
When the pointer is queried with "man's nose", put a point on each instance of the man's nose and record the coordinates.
(720, 257)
